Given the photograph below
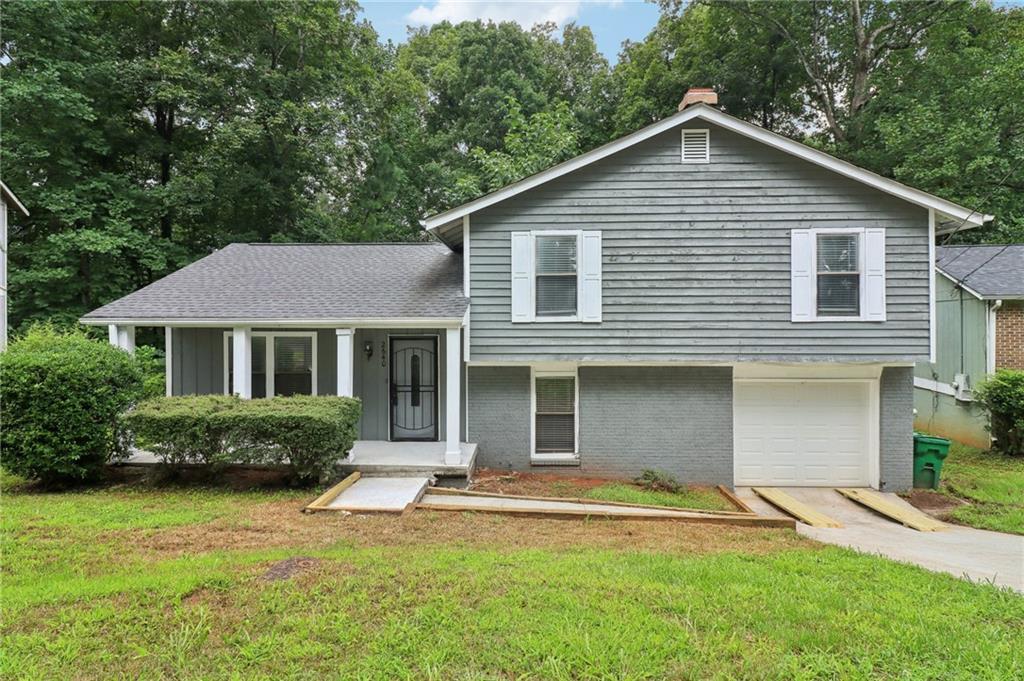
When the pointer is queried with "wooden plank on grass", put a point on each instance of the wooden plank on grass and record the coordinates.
(797, 509)
(451, 491)
(735, 519)
(734, 500)
(323, 502)
(905, 516)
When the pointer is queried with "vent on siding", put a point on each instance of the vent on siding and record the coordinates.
(696, 146)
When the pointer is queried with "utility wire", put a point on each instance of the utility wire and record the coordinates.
(999, 184)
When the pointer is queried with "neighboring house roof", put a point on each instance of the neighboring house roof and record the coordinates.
(297, 283)
(989, 272)
(9, 197)
(950, 215)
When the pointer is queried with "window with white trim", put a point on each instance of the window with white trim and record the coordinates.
(838, 274)
(556, 276)
(283, 363)
(554, 415)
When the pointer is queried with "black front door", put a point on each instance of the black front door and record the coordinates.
(414, 388)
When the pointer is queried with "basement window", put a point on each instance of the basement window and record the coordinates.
(555, 411)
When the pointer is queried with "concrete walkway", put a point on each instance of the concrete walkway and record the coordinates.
(977, 555)
(381, 495)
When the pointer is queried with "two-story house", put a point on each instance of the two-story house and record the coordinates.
(701, 297)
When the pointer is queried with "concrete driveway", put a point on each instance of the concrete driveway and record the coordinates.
(977, 555)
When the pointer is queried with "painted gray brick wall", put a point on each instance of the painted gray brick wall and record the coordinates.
(499, 416)
(896, 428)
(677, 420)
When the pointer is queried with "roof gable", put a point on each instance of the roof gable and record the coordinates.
(947, 210)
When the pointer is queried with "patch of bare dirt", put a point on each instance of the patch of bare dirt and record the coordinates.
(289, 567)
(281, 524)
(933, 503)
(534, 484)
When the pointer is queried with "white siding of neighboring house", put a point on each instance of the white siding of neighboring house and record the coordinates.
(3, 274)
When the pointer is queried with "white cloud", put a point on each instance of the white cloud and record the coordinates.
(526, 13)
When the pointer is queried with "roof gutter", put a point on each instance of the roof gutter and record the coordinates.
(377, 323)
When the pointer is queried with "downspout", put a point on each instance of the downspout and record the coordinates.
(990, 345)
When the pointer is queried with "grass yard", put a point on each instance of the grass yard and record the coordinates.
(992, 484)
(598, 489)
(141, 582)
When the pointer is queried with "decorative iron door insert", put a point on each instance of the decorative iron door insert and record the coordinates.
(414, 388)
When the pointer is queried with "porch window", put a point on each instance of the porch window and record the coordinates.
(283, 364)
(554, 416)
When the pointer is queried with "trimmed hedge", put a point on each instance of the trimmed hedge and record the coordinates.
(1003, 396)
(62, 394)
(309, 434)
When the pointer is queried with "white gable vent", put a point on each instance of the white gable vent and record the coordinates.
(696, 146)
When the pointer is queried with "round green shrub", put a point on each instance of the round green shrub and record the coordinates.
(62, 394)
(1003, 396)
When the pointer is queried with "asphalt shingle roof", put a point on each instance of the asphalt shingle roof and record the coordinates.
(292, 282)
(991, 271)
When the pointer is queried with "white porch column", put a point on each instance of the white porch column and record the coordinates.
(168, 362)
(241, 339)
(345, 361)
(453, 389)
(122, 337)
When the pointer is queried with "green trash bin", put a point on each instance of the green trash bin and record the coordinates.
(929, 453)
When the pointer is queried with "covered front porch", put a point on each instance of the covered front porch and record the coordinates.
(410, 380)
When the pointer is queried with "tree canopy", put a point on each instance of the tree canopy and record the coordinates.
(145, 135)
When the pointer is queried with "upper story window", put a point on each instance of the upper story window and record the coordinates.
(556, 275)
(837, 274)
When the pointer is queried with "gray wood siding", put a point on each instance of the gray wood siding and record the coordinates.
(696, 263)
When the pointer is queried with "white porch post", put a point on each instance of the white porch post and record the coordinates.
(345, 361)
(122, 337)
(453, 408)
(168, 362)
(241, 339)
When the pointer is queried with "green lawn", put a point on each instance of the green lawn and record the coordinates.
(171, 583)
(687, 497)
(991, 482)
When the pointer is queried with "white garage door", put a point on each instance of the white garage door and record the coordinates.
(802, 433)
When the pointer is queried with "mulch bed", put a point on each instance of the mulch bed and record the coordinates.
(533, 484)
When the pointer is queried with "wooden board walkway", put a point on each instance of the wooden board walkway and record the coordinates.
(795, 508)
(906, 516)
(566, 509)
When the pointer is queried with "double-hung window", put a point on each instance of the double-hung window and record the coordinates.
(556, 276)
(555, 406)
(838, 274)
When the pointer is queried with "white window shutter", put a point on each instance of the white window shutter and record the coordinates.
(801, 275)
(874, 274)
(522, 277)
(590, 277)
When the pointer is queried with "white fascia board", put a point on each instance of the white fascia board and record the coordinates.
(957, 283)
(409, 323)
(10, 197)
(713, 115)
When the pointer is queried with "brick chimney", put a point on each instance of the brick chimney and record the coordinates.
(699, 94)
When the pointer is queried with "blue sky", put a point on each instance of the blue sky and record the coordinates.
(612, 21)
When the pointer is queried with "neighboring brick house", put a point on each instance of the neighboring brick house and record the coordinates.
(980, 328)
(1010, 334)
